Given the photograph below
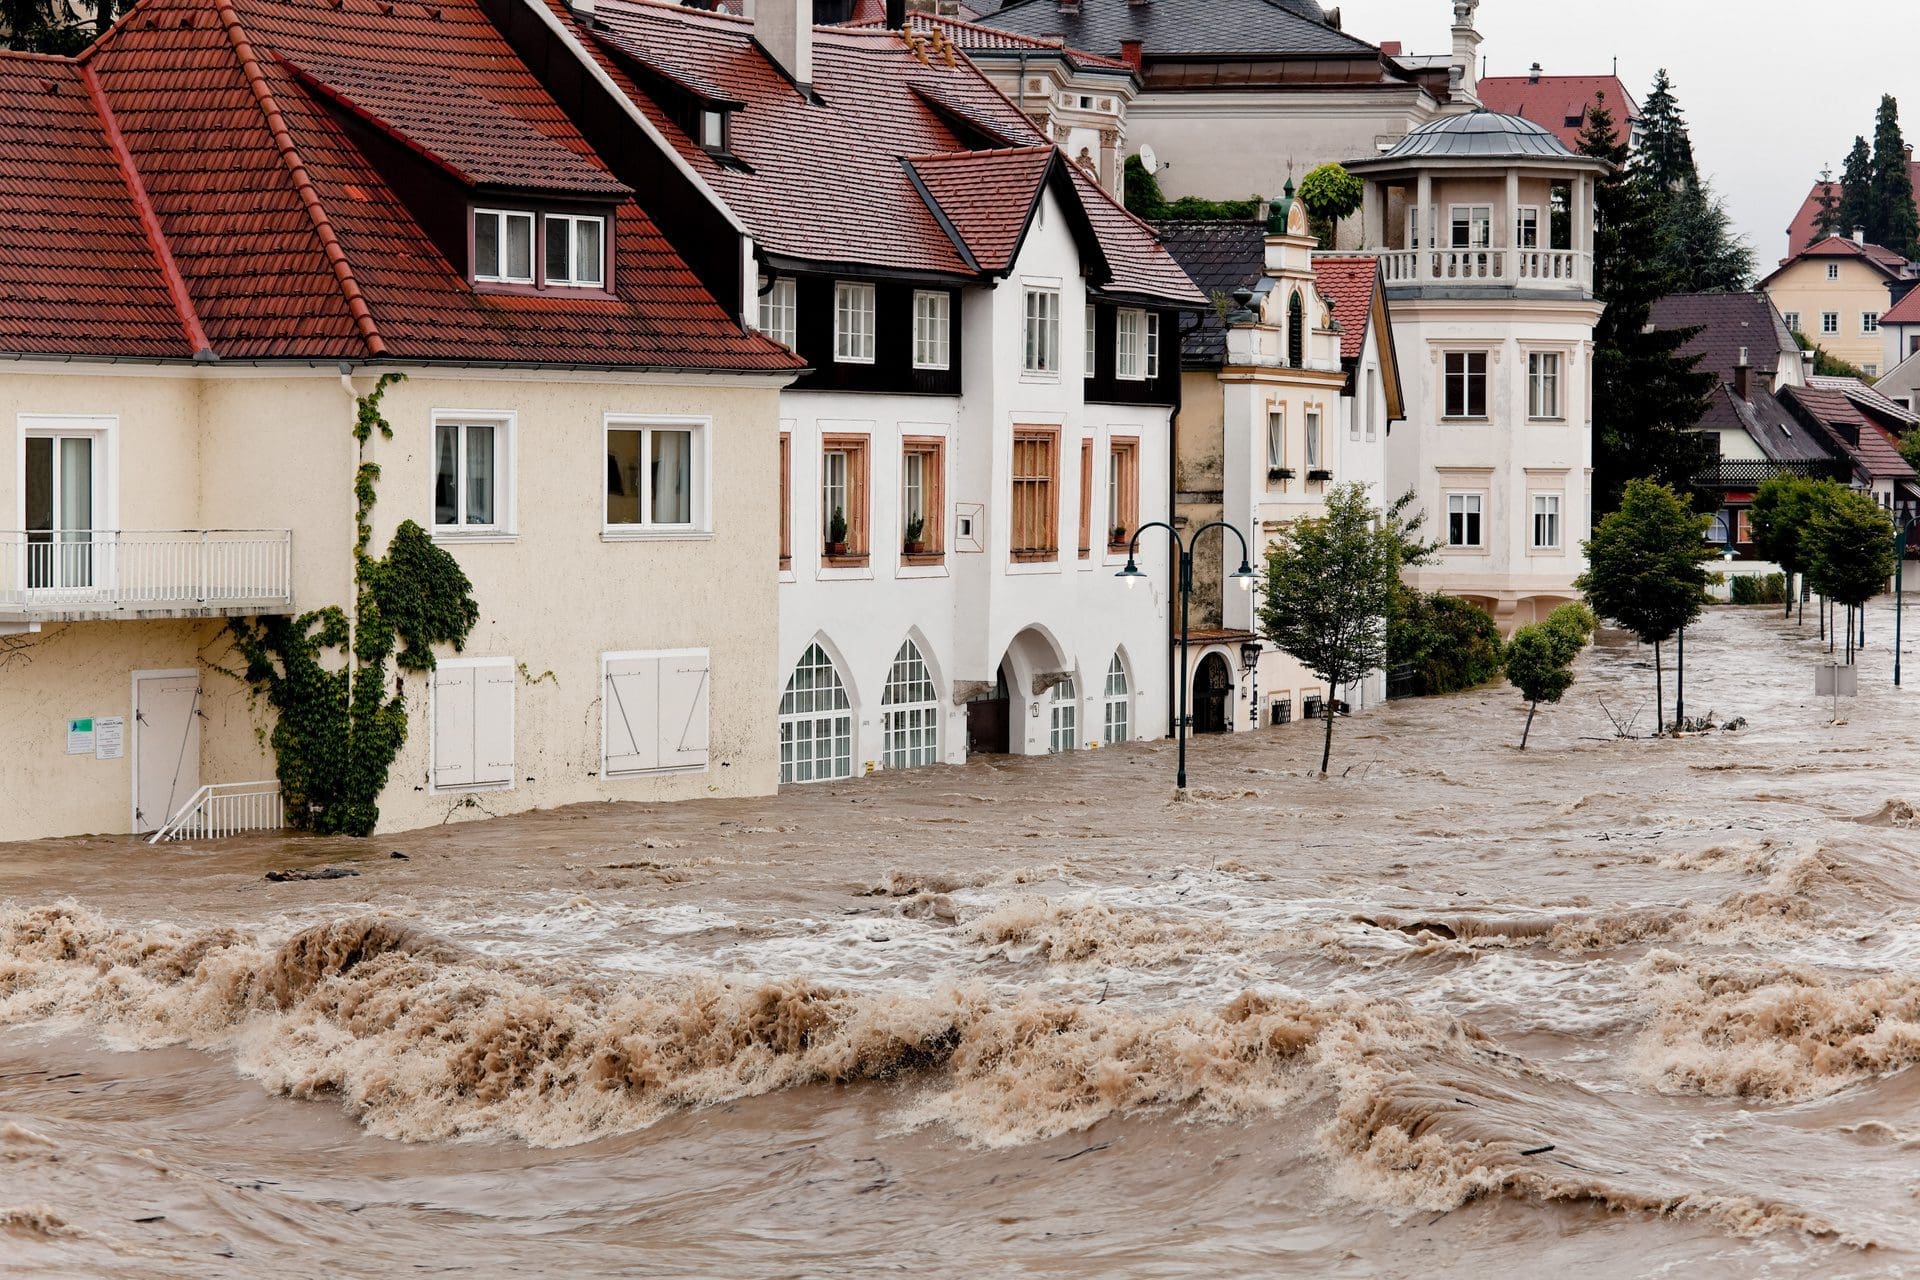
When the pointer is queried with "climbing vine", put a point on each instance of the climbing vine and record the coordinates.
(337, 727)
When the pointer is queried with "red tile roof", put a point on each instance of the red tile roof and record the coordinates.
(1881, 259)
(1852, 433)
(80, 272)
(1551, 101)
(829, 179)
(1801, 233)
(1905, 311)
(289, 242)
(1348, 283)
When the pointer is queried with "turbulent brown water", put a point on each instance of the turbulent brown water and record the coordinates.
(1626, 1007)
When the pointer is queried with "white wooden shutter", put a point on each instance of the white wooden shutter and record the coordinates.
(630, 714)
(453, 726)
(493, 724)
(683, 711)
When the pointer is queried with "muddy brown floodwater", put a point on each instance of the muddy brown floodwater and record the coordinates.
(1621, 1008)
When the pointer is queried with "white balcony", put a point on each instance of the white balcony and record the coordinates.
(70, 575)
(1545, 269)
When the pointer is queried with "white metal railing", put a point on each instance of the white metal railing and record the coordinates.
(225, 809)
(1528, 268)
(102, 569)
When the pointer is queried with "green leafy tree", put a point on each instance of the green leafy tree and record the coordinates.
(1856, 191)
(1896, 224)
(1330, 194)
(1329, 585)
(1909, 446)
(1646, 569)
(337, 729)
(1647, 395)
(1450, 644)
(1781, 509)
(1143, 195)
(1826, 218)
(48, 26)
(1849, 549)
(1540, 658)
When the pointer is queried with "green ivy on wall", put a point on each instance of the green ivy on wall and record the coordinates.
(337, 728)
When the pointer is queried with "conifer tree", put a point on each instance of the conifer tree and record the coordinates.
(1826, 219)
(1856, 191)
(1666, 153)
(1894, 224)
(1647, 396)
(1699, 250)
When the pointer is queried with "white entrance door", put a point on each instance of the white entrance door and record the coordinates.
(166, 744)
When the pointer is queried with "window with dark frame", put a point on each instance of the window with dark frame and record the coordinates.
(1466, 378)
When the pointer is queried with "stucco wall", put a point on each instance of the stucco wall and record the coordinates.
(1804, 289)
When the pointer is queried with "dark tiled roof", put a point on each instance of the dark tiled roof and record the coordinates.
(293, 245)
(1781, 436)
(1728, 322)
(1850, 431)
(1172, 28)
(455, 127)
(977, 40)
(79, 273)
(1551, 101)
(1220, 257)
(1348, 282)
(1479, 134)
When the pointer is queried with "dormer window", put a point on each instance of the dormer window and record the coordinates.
(540, 250)
(502, 246)
(576, 253)
(713, 130)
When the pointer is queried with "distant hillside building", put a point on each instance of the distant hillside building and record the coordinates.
(1835, 293)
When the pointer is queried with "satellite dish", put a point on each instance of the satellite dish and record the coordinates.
(1149, 161)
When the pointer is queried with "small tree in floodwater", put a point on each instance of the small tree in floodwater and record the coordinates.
(1781, 509)
(1849, 549)
(1646, 569)
(1540, 658)
(1330, 583)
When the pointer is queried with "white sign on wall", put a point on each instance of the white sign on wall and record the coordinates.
(80, 737)
(109, 738)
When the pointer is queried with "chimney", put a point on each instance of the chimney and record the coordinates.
(896, 15)
(1392, 48)
(1466, 53)
(1859, 235)
(1743, 377)
(784, 29)
(1130, 53)
(1069, 7)
(1533, 74)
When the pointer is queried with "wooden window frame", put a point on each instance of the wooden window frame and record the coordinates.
(858, 449)
(933, 499)
(1123, 489)
(1043, 508)
(1086, 499)
(786, 500)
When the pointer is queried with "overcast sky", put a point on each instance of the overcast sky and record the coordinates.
(1771, 90)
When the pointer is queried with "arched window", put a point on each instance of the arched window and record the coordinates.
(816, 722)
(1066, 707)
(910, 716)
(1119, 703)
(1296, 331)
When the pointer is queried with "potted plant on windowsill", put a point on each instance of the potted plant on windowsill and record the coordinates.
(915, 543)
(837, 533)
(1119, 539)
(1279, 473)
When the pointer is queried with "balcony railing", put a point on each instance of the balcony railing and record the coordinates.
(225, 809)
(1515, 268)
(95, 572)
(1751, 473)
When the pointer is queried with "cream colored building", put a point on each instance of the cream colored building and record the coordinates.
(1834, 292)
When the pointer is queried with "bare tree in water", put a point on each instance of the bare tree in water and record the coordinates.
(1330, 582)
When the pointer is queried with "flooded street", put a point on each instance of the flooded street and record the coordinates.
(1627, 1007)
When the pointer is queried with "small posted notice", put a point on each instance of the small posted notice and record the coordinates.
(109, 738)
(80, 737)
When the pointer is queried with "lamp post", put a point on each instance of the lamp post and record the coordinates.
(1250, 651)
(1244, 575)
(1899, 583)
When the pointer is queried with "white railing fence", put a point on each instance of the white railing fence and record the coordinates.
(154, 569)
(1527, 267)
(225, 809)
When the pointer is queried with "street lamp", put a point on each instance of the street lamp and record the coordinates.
(1250, 651)
(1244, 575)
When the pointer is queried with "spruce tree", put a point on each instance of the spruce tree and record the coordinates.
(1666, 153)
(1894, 224)
(1699, 250)
(1856, 190)
(1647, 396)
(1826, 199)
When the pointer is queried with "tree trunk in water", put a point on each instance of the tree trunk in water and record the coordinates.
(1326, 747)
(1527, 732)
(1787, 595)
(1659, 707)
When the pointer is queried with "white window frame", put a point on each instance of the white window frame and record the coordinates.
(853, 322)
(700, 487)
(1527, 218)
(713, 129)
(1473, 503)
(1120, 700)
(506, 437)
(1092, 351)
(1557, 516)
(1869, 322)
(1276, 437)
(1040, 332)
(1833, 271)
(1313, 439)
(932, 329)
(1153, 345)
(104, 431)
(609, 707)
(844, 722)
(778, 310)
(477, 665)
(1792, 319)
(1063, 719)
(1130, 345)
(1829, 323)
(533, 245)
(571, 223)
(1544, 370)
(909, 731)
(1479, 222)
